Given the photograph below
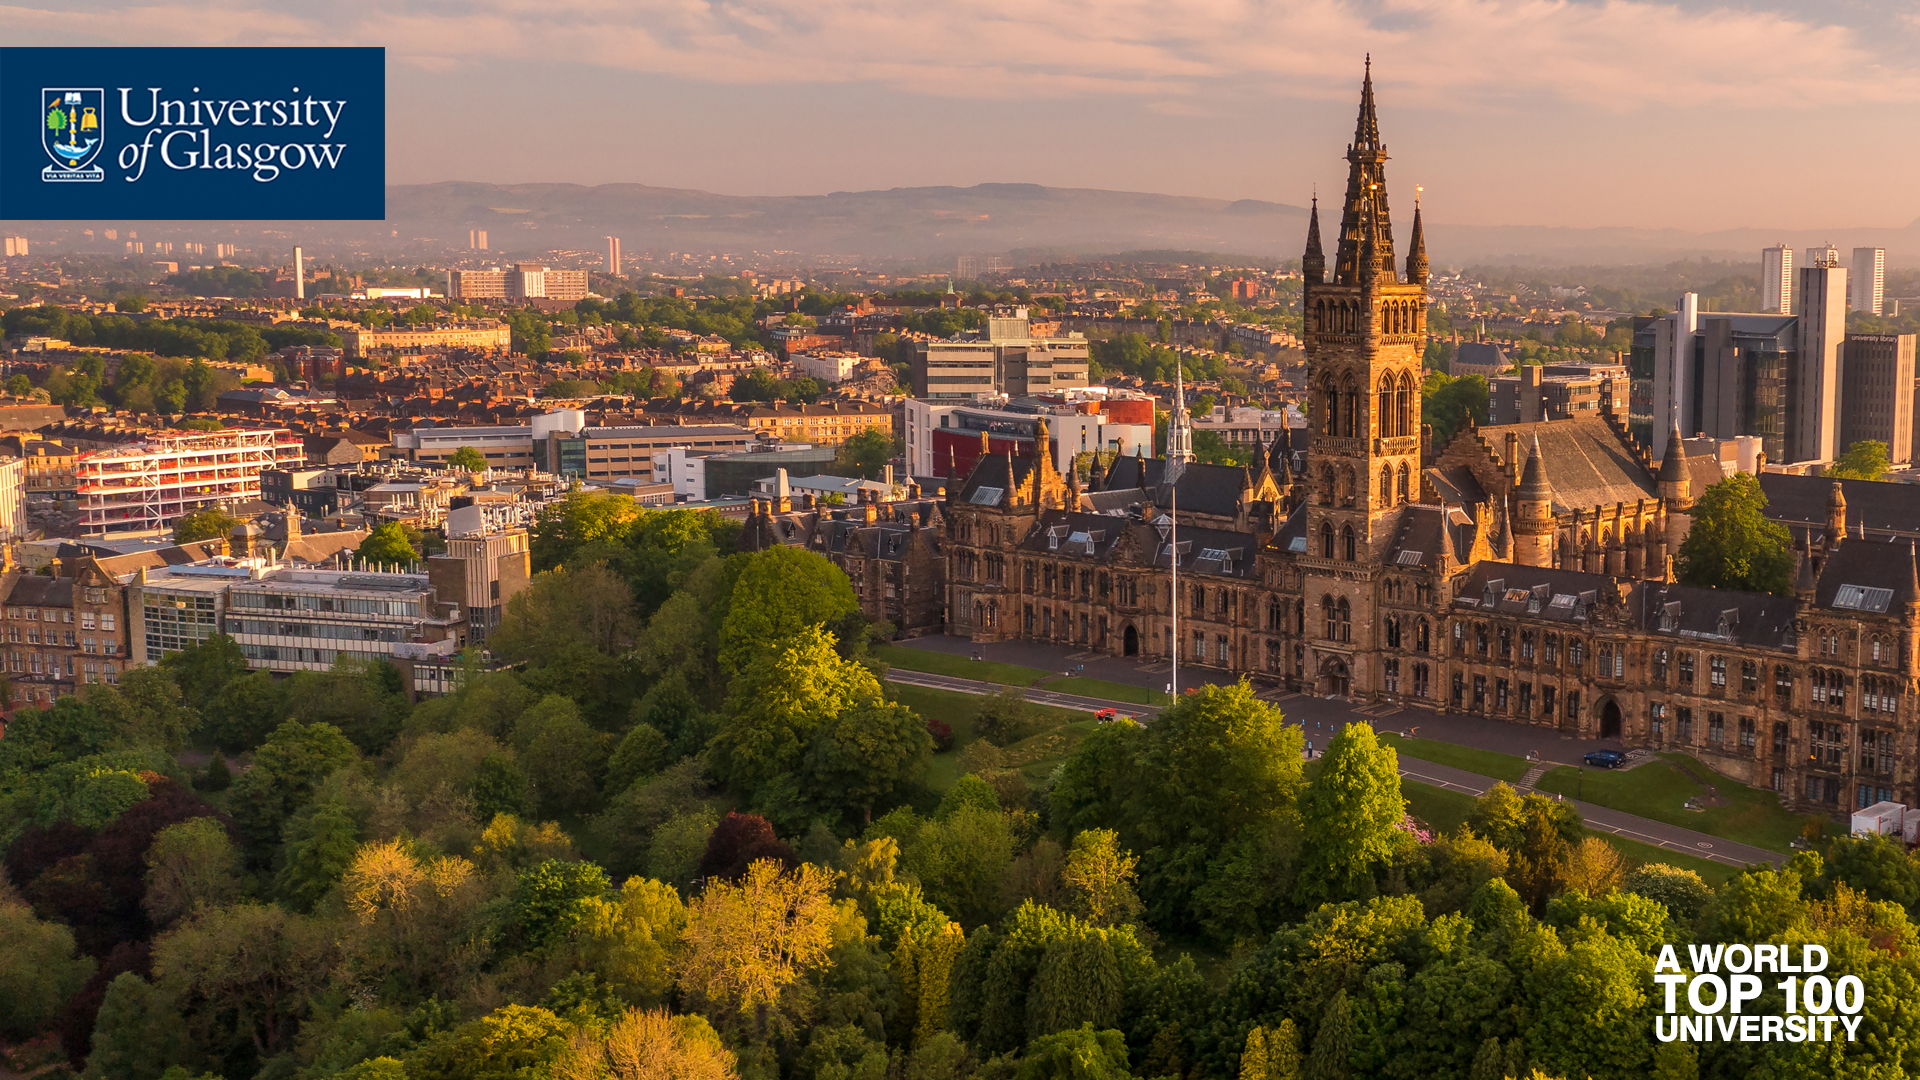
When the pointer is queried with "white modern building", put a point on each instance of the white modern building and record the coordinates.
(1776, 279)
(1823, 329)
(1867, 278)
(305, 620)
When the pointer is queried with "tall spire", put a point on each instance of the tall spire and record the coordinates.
(1417, 257)
(1313, 264)
(1179, 425)
(1366, 131)
(1365, 216)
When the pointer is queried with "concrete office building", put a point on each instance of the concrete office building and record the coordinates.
(1558, 392)
(611, 453)
(1008, 360)
(1734, 377)
(714, 474)
(304, 620)
(525, 281)
(1815, 434)
(1776, 279)
(1877, 388)
(1868, 277)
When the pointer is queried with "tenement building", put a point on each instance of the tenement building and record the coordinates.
(1521, 572)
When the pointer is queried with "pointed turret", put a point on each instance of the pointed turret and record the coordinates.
(1313, 265)
(1804, 581)
(1417, 269)
(1179, 425)
(1503, 533)
(1365, 218)
(1836, 514)
(1675, 489)
(1533, 524)
(1533, 481)
(1913, 575)
(1366, 130)
(1096, 474)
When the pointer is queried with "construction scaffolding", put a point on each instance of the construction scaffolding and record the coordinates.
(150, 485)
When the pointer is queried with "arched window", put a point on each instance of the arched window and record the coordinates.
(1386, 488)
(1346, 485)
(1403, 400)
(1326, 540)
(1346, 538)
(1327, 491)
(1330, 422)
(1421, 640)
(1403, 482)
(1330, 617)
(1393, 631)
(1350, 404)
(1273, 615)
(1300, 617)
(1386, 415)
(1345, 614)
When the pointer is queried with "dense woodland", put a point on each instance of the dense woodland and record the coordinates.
(683, 828)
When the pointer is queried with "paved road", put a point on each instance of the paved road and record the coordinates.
(1645, 830)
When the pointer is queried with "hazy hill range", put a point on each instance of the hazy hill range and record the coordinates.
(933, 224)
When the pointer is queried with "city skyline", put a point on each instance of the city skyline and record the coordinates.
(1527, 114)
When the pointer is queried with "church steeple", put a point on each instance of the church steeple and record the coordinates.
(1313, 265)
(1365, 217)
(1417, 257)
(1179, 425)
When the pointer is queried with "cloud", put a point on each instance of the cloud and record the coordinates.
(1612, 55)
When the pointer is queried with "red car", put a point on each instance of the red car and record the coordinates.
(1107, 716)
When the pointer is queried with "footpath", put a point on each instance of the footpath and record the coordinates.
(1628, 826)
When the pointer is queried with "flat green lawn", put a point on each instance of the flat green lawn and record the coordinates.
(958, 711)
(1447, 810)
(1444, 810)
(1485, 762)
(1107, 691)
(960, 667)
(1659, 790)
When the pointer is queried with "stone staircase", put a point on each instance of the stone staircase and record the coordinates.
(1533, 776)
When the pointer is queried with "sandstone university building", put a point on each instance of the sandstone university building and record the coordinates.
(1520, 572)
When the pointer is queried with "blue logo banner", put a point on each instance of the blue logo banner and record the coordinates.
(186, 134)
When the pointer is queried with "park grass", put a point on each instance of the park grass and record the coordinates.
(1659, 790)
(959, 667)
(1484, 762)
(959, 711)
(1445, 811)
(1442, 810)
(1106, 691)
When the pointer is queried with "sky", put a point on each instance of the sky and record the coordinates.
(1581, 113)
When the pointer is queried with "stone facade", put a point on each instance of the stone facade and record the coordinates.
(1522, 573)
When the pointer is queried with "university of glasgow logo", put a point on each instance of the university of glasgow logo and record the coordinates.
(72, 128)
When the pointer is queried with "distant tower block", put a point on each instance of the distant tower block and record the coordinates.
(1867, 280)
(613, 255)
(476, 239)
(299, 276)
(1776, 279)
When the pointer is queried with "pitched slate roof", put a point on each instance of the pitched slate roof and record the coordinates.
(1202, 489)
(1726, 615)
(1540, 592)
(1076, 533)
(1887, 509)
(35, 590)
(1423, 534)
(1206, 551)
(1869, 577)
(1587, 463)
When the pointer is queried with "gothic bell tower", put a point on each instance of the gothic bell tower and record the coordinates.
(1364, 333)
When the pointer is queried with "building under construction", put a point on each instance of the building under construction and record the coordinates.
(149, 485)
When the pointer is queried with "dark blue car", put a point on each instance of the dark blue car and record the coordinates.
(1606, 759)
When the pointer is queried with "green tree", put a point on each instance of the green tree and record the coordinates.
(592, 525)
(866, 454)
(1864, 460)
(869, 755)
(1349, 816)
(1079, 1054)
(190, 866)
(39, 969)
(780, 593)
(203, 669)
(1449, 403)
(549, 898)
(138, 1033)
(1682, 891)
(510, 1042)
(319, 848)
(253, 964)
(205, 525)
(1099, 877)
(564, 757)
(388, 544)
(469, 459)
(779, 702)
(643, 751)
(1210, 784)
(285, 769)
(1333, 1042)
(1732, 545)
